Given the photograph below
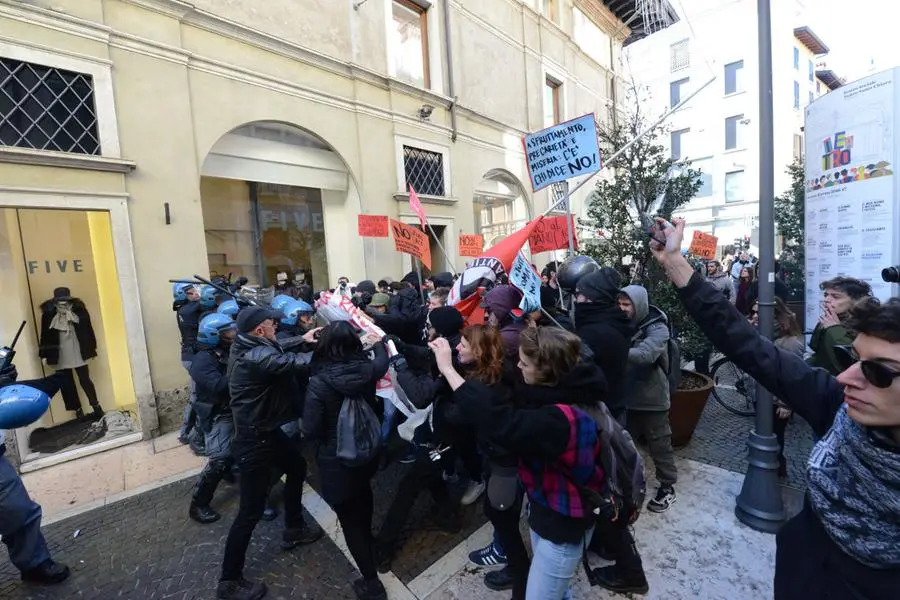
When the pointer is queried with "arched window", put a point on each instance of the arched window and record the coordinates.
(500, 206)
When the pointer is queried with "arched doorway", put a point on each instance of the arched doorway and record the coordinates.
(267, 190)
(500, 205)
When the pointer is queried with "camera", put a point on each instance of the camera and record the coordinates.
(891, 274)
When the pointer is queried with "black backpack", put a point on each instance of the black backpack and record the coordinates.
(358, 432)
(672, 358)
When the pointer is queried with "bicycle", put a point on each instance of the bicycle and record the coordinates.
(732, 388)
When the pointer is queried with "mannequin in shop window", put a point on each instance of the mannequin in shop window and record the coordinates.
(67, 344)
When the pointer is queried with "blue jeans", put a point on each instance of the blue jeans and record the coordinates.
(20, 521)
(389, 411)
(553, 568)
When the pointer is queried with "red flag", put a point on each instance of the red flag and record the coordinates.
(416, 205)
(482, 272)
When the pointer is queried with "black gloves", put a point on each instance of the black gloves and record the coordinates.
(9, 375)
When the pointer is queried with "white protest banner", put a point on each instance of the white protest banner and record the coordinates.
(524, 277)
(562, 152)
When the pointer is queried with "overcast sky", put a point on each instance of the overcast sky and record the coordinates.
(857, 32)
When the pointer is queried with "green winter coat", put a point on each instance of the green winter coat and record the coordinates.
(822, 344)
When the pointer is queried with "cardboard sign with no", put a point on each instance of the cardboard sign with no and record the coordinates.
(552, 234)
(471, 244)
(372, 226)
(704, 245)
(411, 241)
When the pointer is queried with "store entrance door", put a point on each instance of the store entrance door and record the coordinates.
(59, 276)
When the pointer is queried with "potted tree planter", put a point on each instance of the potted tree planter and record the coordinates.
(688, 403)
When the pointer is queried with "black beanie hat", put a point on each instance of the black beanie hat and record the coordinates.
(601, 287)
(366, 286)
(446, 320)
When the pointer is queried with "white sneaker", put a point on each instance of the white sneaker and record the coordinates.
(473, 493)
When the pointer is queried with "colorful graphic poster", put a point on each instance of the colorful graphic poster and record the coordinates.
(852, 190)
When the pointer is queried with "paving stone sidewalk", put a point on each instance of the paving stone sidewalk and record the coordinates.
(146, 548)
(721, 440)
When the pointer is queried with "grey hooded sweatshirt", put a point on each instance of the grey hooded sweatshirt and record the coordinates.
(647, 386)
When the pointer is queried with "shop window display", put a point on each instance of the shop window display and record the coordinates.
(60, 277)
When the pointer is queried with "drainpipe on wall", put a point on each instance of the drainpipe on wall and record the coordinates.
(451, 85)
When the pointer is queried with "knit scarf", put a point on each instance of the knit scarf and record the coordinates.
(854, 488)
(64, 317)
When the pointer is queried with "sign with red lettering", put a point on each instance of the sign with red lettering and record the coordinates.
(375, 226)
(704, 245)
(471, 244)
(411, 241)
(552, 233)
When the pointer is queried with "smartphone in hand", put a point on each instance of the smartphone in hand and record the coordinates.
(654, 229)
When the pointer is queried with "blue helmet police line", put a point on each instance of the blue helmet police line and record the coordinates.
(280, 301)
(293, 310)
(211, 326)
(229, 308)
(180, 290)
(21, 405)
(208, 295)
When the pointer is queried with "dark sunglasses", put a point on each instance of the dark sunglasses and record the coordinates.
(753, 312)
(875, 373)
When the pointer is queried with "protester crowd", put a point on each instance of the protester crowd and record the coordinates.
(538, 407)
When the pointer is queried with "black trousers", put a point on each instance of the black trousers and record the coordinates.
(355, 517)
(256, 459)
(424, 474)
(506, 528)
(780, 426)
(70, 392)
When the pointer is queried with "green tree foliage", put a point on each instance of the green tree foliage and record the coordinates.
(640, 176)
(789, 219)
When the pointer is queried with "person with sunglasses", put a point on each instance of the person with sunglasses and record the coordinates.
(845, 542)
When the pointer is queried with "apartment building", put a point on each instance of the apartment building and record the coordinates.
(718, 130)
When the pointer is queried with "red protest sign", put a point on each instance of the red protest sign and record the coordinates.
(471, 244)
(416, 205)
(704, 245)
(372, 226)
(552, 233)
(411, 241)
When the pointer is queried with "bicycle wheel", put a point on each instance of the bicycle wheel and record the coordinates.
(733, 388)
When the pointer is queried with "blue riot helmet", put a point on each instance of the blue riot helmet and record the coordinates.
(21, 405)
(208, 295)
(280, 301)
(229, 308)
(180, 290)
(211, 326)
(293, 310)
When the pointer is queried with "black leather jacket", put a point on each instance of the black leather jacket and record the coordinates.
(188, 323)
(262, 381)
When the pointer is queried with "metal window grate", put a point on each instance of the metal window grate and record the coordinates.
(47, 108)
(424, 171)
(680, 55)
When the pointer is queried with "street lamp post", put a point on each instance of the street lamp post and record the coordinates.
(759, 504)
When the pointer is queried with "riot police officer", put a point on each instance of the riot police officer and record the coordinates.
(188, 310)
(208, 371)
(20, 516)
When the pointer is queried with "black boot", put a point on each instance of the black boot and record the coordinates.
(307, 534)
(47, 573)
(241, 590)
(369, 589)
(98, 412)
(619, 581)
(203, 492)
(203, 514)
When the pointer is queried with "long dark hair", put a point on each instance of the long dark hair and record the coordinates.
(339, 341)
(786, 319)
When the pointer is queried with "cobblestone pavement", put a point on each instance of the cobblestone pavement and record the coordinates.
(146, 548)
(421, 546)
(721, 440)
